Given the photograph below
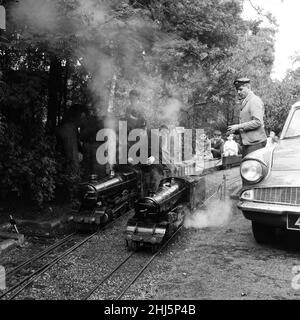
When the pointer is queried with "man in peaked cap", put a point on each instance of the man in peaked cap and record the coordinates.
(251, 126)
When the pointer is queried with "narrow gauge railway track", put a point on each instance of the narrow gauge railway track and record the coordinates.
(40, 255)
(123, 288)
(16, 289)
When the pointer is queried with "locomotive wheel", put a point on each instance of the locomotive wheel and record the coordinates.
(154, 248)
(132, 246)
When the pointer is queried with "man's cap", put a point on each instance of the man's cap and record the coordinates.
(240, 81)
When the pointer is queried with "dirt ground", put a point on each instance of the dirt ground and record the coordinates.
(227, 263)
(217, 260)
(224, 262)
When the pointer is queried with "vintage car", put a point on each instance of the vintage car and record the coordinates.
(270, 194)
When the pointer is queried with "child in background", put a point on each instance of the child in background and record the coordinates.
(230, 147)
(204, 147)
(217, 144)
(271, 139)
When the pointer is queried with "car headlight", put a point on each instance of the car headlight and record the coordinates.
(251, 170)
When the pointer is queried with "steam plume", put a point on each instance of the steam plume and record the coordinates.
(39, 15)
(110, 48)
(217, 214)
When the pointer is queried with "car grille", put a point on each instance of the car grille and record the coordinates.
(284, 195)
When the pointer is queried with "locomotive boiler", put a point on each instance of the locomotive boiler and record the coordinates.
(159, 215)
(101, 200)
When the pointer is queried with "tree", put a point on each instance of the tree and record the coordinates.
(281, 96)
(182, 55)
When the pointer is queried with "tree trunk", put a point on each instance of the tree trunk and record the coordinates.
(64, 93)
(68, 134)
(54, 92)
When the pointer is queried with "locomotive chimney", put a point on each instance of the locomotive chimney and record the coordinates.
(93, 177)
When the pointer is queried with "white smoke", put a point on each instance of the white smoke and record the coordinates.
(101, 67)
(218, 213)
(171, 110)
(95, 12)
(39, 15)
(117, 44)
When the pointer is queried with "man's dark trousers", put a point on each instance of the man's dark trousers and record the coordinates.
(253, 147)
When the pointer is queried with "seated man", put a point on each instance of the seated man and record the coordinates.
(217, 144)
(230, 147)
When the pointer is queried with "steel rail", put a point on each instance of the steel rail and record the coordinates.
(44, 268)
(39, 255)
(31, 278)
(139, 273)
(97, 286)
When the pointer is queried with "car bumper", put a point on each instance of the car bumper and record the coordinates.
(268, 213)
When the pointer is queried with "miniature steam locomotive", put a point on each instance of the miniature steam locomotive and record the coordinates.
(159, 215)
(101, 200)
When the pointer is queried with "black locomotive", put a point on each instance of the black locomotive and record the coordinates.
(101, 200)
(159, 215)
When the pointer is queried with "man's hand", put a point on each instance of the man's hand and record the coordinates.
(233, 128)
(150, 160)
(130, 160)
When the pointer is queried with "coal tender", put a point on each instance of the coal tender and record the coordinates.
(159, 215)
(101, 200)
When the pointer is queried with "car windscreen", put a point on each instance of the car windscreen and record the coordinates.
(294, 126)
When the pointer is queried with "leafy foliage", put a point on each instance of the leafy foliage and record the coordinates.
(182, 55)
(282, 95)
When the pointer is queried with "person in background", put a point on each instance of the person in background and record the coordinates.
(166, 166)
(89, 126)
(134, 116)
(134, 119)
(230, 147)
(204, 148)
(237, 139)
(251, 126)
(217, 144)
(271, 139)
(68, 135)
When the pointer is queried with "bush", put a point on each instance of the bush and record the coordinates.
(32, 172)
